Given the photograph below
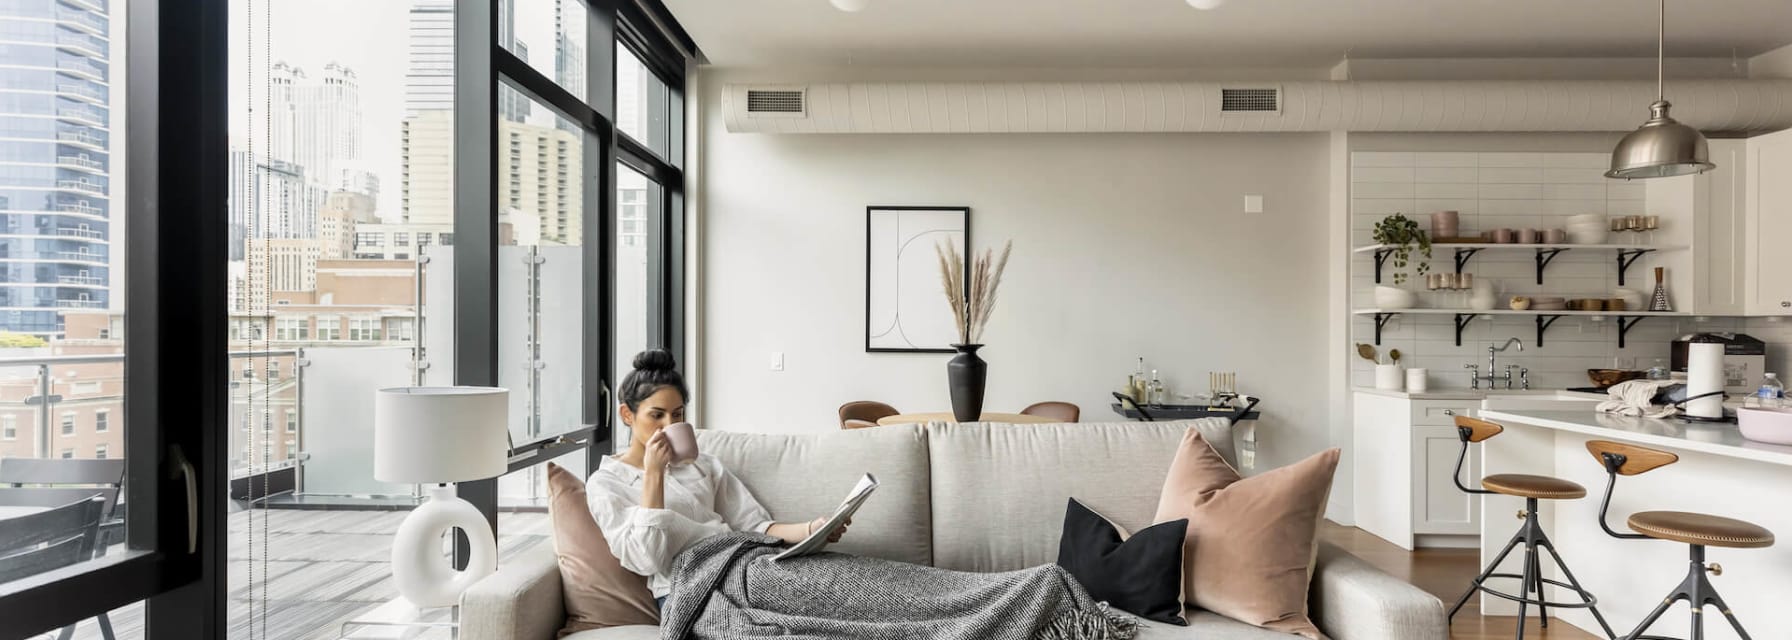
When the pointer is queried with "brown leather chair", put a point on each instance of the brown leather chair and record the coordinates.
(1060, 411)
(1697, 530)
(864, 411)
(1531, 488)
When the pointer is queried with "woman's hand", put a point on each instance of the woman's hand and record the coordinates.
(833, 537)
(659, 453)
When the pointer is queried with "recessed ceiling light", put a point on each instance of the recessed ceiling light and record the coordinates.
(853, 6)
(1206, 4)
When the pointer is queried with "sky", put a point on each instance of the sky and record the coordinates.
(368, 36)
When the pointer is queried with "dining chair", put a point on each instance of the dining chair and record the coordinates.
(52, 482)
(51, 539)
(1060, 411)
(865, 410)
(854, 423)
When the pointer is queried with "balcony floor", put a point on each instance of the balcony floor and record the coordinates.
(326, 567)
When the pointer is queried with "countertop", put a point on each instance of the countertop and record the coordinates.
(1476, 394)
(1669, 433)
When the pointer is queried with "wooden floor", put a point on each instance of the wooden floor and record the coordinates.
(1446, 574)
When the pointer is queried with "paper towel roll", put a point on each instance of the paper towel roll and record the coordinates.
(1705, 374)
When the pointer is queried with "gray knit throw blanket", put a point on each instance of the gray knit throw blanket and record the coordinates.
(727, 587)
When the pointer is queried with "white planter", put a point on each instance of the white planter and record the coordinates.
(1388, 377)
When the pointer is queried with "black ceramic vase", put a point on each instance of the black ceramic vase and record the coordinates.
(965, 374)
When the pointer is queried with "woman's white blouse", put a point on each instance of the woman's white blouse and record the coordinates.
(702, 499)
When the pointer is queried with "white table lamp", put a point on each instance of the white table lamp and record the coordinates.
(435, 436)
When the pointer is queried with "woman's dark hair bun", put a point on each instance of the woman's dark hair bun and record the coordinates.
(655, 360)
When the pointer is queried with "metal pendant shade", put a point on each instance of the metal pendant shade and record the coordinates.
(1662, 147)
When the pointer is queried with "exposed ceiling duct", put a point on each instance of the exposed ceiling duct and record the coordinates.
(1221, 107)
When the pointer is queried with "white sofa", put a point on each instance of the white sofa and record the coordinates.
(997, 493)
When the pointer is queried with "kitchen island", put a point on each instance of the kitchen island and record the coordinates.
(1718, 473)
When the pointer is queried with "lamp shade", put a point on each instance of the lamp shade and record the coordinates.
(425, 435)
(1660, 148)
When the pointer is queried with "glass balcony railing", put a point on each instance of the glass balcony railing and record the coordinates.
(83, 162)
(84, 20)
(89, 92)
(91, 234)
(81, 280)
(76, 207)
(81, 137)
(81, 44)
(80, 304)
(82, 68)
(81, 115)
(81, 185)
(80, 256)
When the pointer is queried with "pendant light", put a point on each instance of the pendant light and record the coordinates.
(1662, 146)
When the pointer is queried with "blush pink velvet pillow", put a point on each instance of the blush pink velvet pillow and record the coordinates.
(1251, 541)
(598, 592)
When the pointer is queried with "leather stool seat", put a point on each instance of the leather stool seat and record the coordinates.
(1528, 486)
(1701, 529)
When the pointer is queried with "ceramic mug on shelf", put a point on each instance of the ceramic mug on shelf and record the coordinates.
(1529, 236)
(1556, 236)
(1504, 236)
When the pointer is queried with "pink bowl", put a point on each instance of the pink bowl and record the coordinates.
(1772, 426)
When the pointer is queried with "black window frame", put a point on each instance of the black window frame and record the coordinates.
(177, 172)
(482, 66)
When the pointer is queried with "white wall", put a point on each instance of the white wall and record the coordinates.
(1125, 245)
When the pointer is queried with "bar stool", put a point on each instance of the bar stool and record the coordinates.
(1531, 488)
(1697, 530)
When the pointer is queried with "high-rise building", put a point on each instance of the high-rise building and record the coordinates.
(55, 164)
(541, 166)
(316, 123)
(429, 82)
(286, 201)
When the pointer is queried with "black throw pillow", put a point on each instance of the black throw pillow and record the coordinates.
(1141, 575)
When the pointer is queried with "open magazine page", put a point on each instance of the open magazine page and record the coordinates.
(819, 538)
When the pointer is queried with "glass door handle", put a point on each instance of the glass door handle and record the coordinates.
(184, 468)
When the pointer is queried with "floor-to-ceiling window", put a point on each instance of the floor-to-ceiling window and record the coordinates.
(479, 192)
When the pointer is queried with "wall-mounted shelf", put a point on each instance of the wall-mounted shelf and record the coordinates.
(1545, 318)
(1545, 253)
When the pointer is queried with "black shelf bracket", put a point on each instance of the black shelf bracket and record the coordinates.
(1544, 256)
(1462, 322)
(1381, 319)
(1625, 258)
(1624, 325)
(1462, 256)
(1543, 323)
(1381, 257)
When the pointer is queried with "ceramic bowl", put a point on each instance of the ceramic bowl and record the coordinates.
(1586, 237)
(1594, 218)
(1577, 226)
(1394, 298)
(1772, 426)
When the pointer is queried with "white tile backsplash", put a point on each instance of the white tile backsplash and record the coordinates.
(1519, 191)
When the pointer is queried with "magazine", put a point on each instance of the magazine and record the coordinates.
(819, 538)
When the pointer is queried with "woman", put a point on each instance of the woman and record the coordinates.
(649, 509)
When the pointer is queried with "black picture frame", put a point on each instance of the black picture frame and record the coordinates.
(871, 213)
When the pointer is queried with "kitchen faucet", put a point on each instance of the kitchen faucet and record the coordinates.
(1492, 351)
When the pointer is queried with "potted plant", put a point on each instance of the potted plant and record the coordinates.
(1403, 236)
(972, 297)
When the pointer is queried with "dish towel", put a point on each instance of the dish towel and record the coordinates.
(1636, 398)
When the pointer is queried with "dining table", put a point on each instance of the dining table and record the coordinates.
(9, 511)
(947, 416)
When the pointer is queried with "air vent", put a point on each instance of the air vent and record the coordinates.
(775, 102)
(1250, 100)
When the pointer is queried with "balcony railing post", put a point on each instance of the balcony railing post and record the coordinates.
(299, 363)
(43, 411)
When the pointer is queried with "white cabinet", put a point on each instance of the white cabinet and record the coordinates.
(1706, 211)
(1769, 206)
(1406, 452)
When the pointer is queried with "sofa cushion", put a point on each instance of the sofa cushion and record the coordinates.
(1202, 625)
(1140, 573)
(802, 477)
(598, 591)
(999, 489)
(1251, 541)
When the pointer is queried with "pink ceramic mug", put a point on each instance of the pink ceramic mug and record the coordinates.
(683, 438)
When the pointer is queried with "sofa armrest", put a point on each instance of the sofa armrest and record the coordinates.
(1352, 600)
(522, 601)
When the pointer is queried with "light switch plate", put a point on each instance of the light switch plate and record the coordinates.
(777, 361)
(1253, 204)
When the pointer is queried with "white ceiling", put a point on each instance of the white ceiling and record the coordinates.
(1253, 33)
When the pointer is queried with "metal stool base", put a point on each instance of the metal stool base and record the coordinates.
(1532, 581)
(1698, 592)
